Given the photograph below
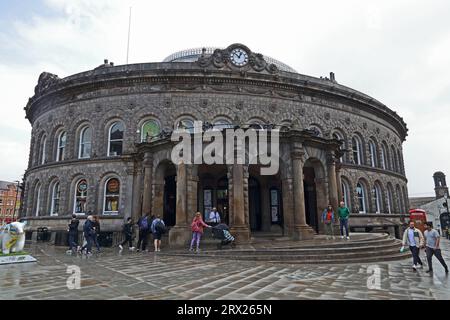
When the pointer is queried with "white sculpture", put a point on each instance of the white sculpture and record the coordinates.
(12, 237)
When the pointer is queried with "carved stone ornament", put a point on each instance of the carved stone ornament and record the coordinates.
(221, 59)
(45, 80)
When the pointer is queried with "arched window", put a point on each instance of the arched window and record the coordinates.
(111, 196)
(316, 131)
(361, 193)
(222, 124)
(384, 163)
(43, 150)
(389, 199)
(345, 194)
(393, 159)
(85, 143)
(373, 153)
(357, 150)
(115, 139)
(149, 130)
(81, 189)
(400, 162)
(61, 146)
(399, 200)
(378, 198)
(37, 195)
(186, 124)
(54, 207)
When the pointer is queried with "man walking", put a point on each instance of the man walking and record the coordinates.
(343, 214)
(144, 229)
(413, 237)
(128, 233)
(327, 220)
(89, 233)
(73, 234)
(432, 239)
(158, 228)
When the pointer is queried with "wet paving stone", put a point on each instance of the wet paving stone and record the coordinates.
(136, 276)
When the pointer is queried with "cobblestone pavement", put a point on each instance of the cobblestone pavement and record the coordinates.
(111, 275)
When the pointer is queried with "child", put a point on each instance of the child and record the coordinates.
(197, 230)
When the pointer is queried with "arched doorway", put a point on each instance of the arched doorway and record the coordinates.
(165, 192)
(314, 192)
(213, 191)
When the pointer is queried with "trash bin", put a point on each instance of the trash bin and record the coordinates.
(43, 234)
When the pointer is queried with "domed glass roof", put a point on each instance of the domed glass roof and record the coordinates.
(192, 55)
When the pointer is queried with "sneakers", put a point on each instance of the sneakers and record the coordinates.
(348, 238)
(342, 237)
(420, 266)
(120, 247)
(132, 249)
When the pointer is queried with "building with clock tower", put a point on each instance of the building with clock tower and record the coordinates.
(101, 144)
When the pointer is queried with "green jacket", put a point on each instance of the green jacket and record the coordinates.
(343, 213)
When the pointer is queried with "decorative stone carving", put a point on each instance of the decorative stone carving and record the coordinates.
(221, 59)
(45, 80)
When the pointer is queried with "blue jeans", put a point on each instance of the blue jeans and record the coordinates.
(343, 223)
(73, 238)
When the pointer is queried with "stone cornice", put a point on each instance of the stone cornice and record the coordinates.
(345, 165)
(181, 76)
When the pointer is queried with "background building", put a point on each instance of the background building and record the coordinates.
(434, 206)
(101, 143)
(10, 195)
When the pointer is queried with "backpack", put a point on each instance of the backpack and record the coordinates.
(160, 227)
(143, 224)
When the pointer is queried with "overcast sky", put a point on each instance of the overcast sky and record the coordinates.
(396, 51)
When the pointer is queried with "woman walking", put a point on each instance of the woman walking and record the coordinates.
(197, 230)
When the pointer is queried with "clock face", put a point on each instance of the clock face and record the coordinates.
(239, 57)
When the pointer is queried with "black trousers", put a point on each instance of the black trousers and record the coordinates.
(437, 252)
(143, 238)
(415, 253)
(128, 239)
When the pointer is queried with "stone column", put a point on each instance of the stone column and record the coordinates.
(137, 194)
(332, 182)
(300, 230)
(147, 194)
(179, 235)
(239, 229)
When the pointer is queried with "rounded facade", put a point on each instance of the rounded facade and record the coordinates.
(94, 143)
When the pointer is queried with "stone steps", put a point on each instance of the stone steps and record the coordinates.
(364, 250)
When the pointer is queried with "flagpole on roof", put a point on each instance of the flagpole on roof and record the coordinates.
(129, 29)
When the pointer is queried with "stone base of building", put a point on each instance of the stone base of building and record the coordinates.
(179, 236)
(302, 233)
(241, 234)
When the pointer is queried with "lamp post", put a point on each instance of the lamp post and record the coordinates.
(15, 201)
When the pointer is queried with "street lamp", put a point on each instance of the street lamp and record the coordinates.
(15, 201)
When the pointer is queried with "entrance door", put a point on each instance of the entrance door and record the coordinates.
(222, 204)
(170, 200)
(254, 203)
(310, 198)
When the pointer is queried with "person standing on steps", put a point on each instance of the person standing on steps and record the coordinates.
(432, 240)
(343, 215)
(327, 220)
(197, 231)
(214, 217)
(413, 237)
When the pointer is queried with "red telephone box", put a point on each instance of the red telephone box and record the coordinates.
(419, 217)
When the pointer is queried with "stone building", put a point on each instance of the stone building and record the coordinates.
(101, 143)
